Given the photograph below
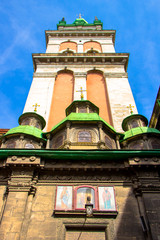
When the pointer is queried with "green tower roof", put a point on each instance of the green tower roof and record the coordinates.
(139, 130)
(25, 129)
(82, 117)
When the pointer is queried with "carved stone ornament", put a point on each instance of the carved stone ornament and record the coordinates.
(14, 158)
(32, 159)
(20, 160)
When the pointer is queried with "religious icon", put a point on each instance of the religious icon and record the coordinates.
(106, 199)
(64, 198)
(82, 194)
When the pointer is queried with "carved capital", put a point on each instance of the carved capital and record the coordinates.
(101, 144)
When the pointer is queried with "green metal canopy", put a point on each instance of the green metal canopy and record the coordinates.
(25, 129)
(139, 130)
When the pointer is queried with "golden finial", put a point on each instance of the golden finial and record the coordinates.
(35, 107)
(81, 91)
(130, 108)
(80, 15)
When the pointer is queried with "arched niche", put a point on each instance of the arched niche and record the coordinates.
(68, 45)
(62, 97)
(97, 93)
(92, 45)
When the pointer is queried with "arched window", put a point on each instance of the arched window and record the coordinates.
(58, 142)
(109, 142)
(68, 51)
(92, 51)
(155, 144)
(29, 145)
(26, 121)
(139, 145)
(11, 144)
(134, 124)
(84, 136)
(82, 109)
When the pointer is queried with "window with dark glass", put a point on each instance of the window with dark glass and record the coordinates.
(26, 121)
(10, 144)
(82, 110)
(58, 142)
(136, 145)
(108, 142)
(155, 144)
(134, 124)
(84, 136)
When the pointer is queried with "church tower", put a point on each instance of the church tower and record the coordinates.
(82, 164)
(81, 55)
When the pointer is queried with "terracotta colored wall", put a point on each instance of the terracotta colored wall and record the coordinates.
(62, 97)
(70, 45)
(97, 93)
(91, 44)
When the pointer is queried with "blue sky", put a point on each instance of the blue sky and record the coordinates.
(22, 26)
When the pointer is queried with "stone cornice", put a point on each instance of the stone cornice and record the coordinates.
(80, 58)
(80, 33)
(116, 75)
(42, 74)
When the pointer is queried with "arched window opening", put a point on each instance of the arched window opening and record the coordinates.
(92, 51)
(109, 142)
(84, 136)
(11, 144)
(58, 142)
(155, 144)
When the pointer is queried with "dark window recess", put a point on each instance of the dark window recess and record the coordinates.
(26, 121)
(58, 142)
(11, 145)
(134, 124)
(82, 110)
(108, 142)
(84, 136)
(137, 145)
(155, 144)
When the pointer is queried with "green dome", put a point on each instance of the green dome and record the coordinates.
(25, 129)
(139, 130)
(80, 21)
(133, 116)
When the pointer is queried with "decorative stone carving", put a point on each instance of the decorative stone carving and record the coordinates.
(18, 160)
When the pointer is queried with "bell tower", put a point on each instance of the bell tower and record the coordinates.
(80, 55)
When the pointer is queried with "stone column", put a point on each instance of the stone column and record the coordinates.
(67, 142)
(101, 142)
